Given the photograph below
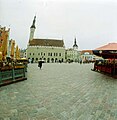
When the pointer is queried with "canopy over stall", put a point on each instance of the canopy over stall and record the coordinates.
(107, 51)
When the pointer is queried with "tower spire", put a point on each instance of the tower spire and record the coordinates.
(32, 29)
(33, 24)
(75, 41)
(75, 46)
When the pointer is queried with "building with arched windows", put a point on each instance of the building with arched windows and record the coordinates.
(73, 54)
(49, 50)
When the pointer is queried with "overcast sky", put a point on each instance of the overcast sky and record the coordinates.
(92, 22)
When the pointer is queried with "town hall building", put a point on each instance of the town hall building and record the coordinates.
(49, 50)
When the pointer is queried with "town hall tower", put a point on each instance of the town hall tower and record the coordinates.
(32, 29)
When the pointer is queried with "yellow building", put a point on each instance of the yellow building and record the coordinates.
(49, 50)
(4, 36)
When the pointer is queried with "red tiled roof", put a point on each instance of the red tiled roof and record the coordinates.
(46, 42)
(89, 51)
(109, 46)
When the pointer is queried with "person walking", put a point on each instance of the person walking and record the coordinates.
(40, 64)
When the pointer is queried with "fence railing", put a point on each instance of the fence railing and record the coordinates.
(12, 75)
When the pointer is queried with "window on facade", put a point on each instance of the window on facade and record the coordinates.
(56, 54)
(44, 54)
(33, 54)
(51, 54)
(59, 54)
(38, 53)
(55, 59)
(52, 60)
(36, 59)
(30, 53)
(41, 53)
(48, 60)
(48, 54)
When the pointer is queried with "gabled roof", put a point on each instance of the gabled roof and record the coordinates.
(46, 42)
(109, 46)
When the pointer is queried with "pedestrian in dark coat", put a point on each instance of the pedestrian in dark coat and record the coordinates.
(40, 64)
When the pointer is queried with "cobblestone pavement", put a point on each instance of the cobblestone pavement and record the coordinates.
(60, 92)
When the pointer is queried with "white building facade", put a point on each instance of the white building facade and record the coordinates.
(49, 50)
(46, 53)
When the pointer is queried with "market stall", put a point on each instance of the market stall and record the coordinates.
(109, 64)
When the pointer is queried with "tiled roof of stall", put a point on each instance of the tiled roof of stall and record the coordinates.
(109, 46)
